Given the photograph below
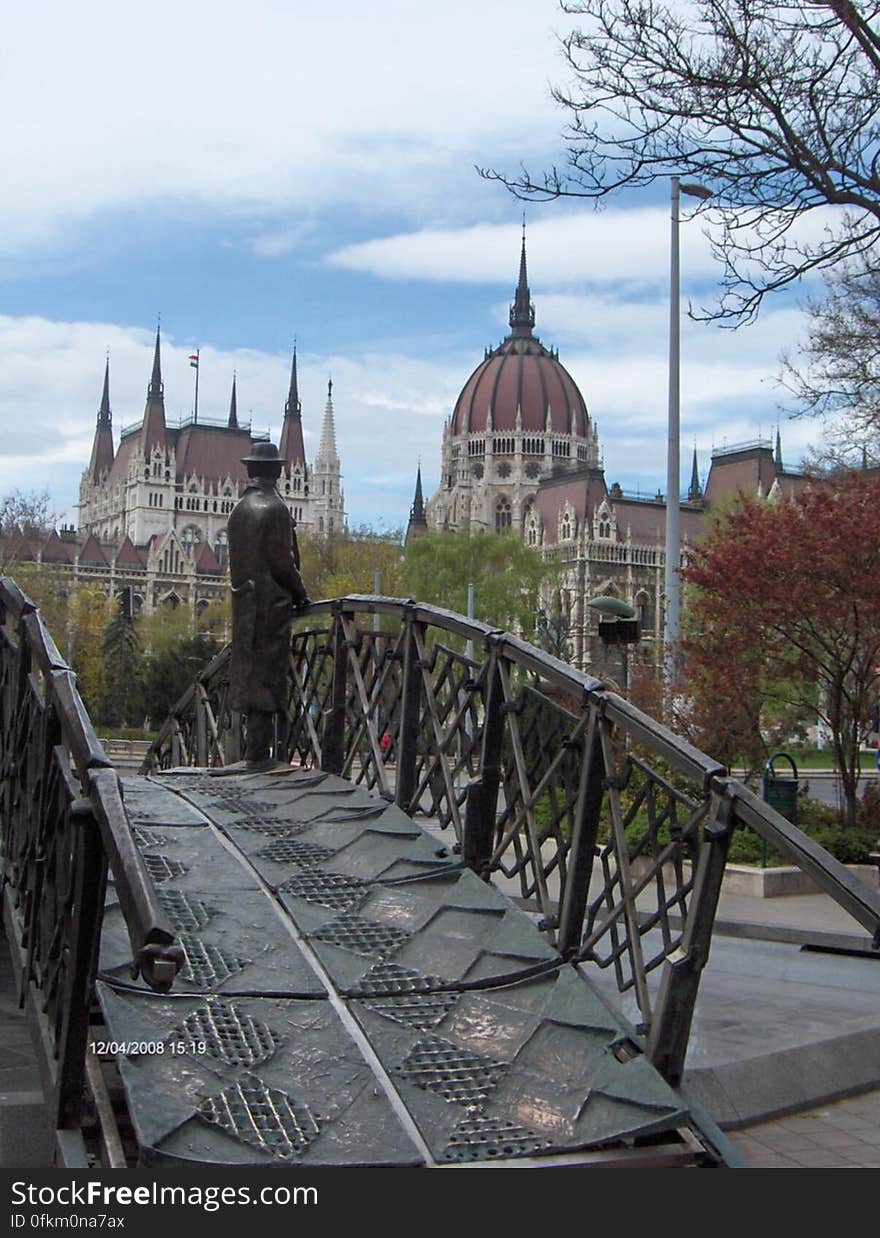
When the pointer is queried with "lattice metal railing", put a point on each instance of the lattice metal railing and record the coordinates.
(612, 828)
(62, 825)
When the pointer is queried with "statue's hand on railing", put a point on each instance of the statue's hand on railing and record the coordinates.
(158, 964)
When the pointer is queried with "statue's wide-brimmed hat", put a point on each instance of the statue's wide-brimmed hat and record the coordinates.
(263, 453)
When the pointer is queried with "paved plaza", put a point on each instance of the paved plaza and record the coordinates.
(842, 1135)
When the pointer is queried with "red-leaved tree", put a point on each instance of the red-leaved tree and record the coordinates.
(784, 612)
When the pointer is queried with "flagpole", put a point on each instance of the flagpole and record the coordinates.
(194, 361)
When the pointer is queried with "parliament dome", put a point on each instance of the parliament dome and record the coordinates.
(520, 384)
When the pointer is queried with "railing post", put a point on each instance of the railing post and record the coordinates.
(481, 809)
(232, 739)
(410, 714)
(88, 907)
(476, 839)
(176, 746)
(677, 996)
(14, 687)
(201, 725)
(333, 735)
(591, 788)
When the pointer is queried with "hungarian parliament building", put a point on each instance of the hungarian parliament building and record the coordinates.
(520, 452)
(153, 510)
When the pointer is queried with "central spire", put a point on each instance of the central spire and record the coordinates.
(522, 312)
(418, 521)
(695, 490)
(417, 511)
(293, 407)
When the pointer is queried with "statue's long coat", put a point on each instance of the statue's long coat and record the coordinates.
(266, 585)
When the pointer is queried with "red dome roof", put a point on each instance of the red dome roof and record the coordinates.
(521, 373)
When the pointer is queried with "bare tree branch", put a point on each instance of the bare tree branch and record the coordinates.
(774, 107)
(835, 373)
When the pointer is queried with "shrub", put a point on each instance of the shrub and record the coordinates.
(869, 807)
(849, 846)
(746, 847)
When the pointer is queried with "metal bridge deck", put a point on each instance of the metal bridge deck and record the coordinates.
(353, 996)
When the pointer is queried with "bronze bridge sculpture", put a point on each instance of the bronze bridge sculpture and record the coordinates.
(284, 967)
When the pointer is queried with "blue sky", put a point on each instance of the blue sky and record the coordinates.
(261, 172)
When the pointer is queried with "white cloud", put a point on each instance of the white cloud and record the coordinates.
(265, 106)
(614, 246)
(273, 243)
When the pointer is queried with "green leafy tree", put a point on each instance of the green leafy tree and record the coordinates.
(49, 587)
(553, 630)
(216, 618)
(348, 563)
(176, 648)
(506, 574)
(165, 627)
(784, 615)
(86, 629)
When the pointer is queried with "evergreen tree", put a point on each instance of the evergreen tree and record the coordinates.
(122, 698)
(170, 669)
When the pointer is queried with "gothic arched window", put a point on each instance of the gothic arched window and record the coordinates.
(604, 524)
(191, 537)
(503, 515)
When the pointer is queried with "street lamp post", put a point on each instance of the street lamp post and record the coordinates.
(672, 626)
(618, 625)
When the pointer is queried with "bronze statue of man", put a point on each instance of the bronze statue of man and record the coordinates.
(266, 589)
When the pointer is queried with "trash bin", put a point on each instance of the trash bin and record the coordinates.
(781, 792)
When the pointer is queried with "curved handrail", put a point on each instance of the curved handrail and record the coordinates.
(612, 826)
(29, 653)
(583, 686)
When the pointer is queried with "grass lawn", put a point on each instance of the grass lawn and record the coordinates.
(812, 758)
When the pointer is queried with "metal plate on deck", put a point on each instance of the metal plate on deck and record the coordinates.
(251, 1081)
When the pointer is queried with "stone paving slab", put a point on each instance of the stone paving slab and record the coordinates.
(842, 1135)
(777, 1028)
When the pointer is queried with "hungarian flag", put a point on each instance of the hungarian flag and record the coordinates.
(194, 360)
